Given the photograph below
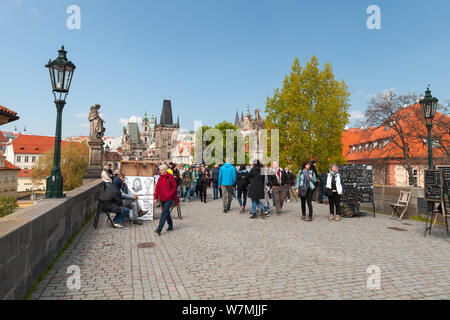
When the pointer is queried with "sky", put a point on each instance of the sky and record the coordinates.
(210, 57)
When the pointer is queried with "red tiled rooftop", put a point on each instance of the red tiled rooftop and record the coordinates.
(25, 173)
(31, 144)
(9, 166)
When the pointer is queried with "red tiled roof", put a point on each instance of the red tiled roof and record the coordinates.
(31, 144)
(357, 136)
(9, 166)
(8, 113)
(3, 138)
(25, 173)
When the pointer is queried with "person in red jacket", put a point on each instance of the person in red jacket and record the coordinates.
(166, 191)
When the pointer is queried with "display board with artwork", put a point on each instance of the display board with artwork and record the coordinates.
(144, 188)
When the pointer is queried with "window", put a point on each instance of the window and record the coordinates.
(18, 159)
(33, 159)
(13, 177)
(26, 158)
(6, 177)
(411, 181)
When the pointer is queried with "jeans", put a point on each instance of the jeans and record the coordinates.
(133, 205)
(242, 193)
(307, 198)
(187, 191)
(288, 192)
(256, 202)
(202, 191)
(120, 217)
(215, 185)
(165, 205)
(234, 193)
(194, 187)
(335, 200)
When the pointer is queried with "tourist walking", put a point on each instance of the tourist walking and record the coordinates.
(241, 186)
(187, 182)
(215, 181)
(333, 187)
(111, 201)
(256, 188)
(291, 183)
(227, 178)
(166, 191)
(202, 183)
(305, 189)
(277, 181)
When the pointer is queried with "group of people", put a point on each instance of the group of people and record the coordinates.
(266, 186)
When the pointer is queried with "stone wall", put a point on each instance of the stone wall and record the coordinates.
(31, 238)
(386, 195)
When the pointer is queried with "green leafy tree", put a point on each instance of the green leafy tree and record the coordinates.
(310, 112)
(74, 162)
(7, 205)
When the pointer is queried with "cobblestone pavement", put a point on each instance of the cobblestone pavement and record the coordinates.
(212, 255)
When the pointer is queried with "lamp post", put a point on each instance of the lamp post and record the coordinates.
(106, 153)
(61, 73)
(428, 105)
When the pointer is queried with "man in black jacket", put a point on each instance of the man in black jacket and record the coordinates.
(111, 201)
(278, 180)
(292, 179)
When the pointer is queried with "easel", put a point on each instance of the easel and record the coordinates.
(443, 202)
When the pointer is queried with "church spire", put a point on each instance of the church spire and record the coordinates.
(236, 120)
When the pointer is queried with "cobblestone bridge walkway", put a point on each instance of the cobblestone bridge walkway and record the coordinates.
(212, 255)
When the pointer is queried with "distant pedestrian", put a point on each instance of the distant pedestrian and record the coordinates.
(107, 179)
(305, 189)
(227, 178)
(256, 188)
(291, 182)
(187, 183)
(202, 183)
(241, 186)
(215, 181)
(334, 183)
(278, 180)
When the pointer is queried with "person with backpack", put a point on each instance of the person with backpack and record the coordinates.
(166, 191)
(256, 180)
(187, 182)
(241, 186)
(333, 190)
(305, 189)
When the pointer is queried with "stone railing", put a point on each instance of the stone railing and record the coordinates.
(31, 238)
(386, 195)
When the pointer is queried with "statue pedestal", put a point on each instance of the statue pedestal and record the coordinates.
(95, 168)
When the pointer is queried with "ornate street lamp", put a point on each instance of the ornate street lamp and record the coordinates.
(61, 73)
(428, 105)
(107, 148)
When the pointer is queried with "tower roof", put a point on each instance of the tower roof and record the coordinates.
(236, 120)
(166, 114)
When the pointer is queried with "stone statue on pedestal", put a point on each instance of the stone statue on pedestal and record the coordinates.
(95, 142)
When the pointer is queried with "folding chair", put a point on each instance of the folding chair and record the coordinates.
(97, 216)
(401, 206)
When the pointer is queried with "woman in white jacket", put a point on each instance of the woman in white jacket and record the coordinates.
(334, 183)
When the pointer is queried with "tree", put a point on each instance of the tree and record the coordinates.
(237, 140)
(310, 112)
(74, 162)
(387, 109)
(7, 205)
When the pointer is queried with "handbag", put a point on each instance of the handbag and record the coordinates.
(328, 192)
(302, 191)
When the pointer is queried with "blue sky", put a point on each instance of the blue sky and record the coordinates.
(211, 57)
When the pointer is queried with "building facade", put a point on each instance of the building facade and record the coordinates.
(252, 129)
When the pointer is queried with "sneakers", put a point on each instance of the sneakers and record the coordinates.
(253, 216)
(338, 217)
(170, 229)
(241, 209)
(331, 217)
(158, 232)
(225, 211)
(118, 225)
